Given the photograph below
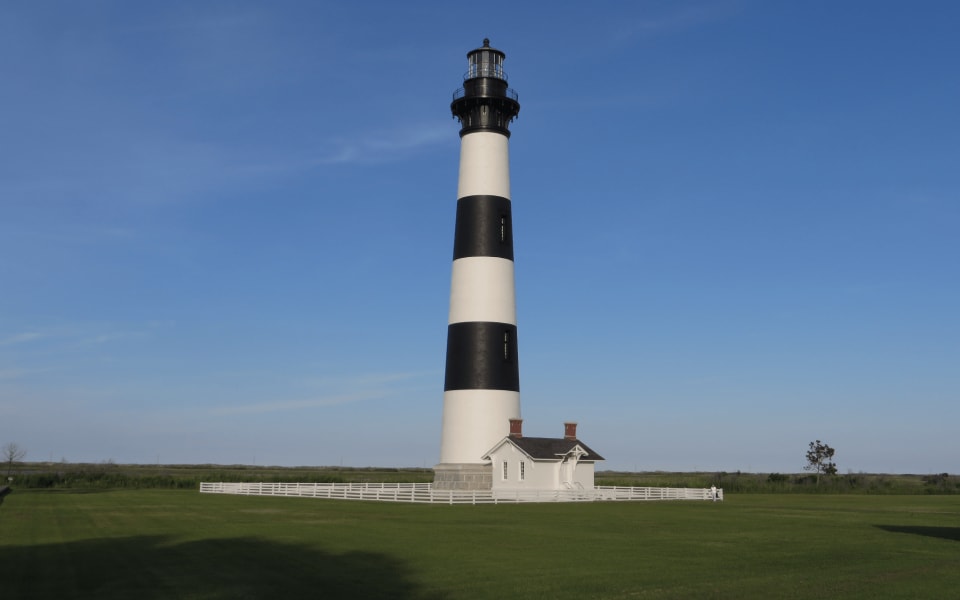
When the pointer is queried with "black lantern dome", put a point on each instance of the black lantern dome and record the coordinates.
(485, 103)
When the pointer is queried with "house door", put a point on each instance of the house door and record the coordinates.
(566, 473)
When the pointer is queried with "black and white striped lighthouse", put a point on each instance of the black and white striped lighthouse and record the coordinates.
(482, 384)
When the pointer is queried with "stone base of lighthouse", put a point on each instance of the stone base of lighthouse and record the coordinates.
(465, 477)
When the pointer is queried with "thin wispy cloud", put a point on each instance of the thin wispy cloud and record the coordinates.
(203, 23)
(687, 17)
(359, 150)
(364, 387)
(79, 335)
(21, 338)
(394, 146)
(134, 166)
(291, 405)
(365, 380)
(8, 374)
(113, 336)
(11, 374)
(71, 234)
(682, 19)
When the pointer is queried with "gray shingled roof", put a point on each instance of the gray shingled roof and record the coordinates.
(552, 448)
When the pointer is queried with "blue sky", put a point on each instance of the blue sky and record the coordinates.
(226, 229)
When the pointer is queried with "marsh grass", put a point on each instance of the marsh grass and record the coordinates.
(790, 483)
(181, 544)
(108, 475)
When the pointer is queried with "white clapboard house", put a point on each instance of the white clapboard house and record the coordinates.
(541, 464)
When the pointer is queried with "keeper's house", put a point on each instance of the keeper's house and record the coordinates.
(539, 464)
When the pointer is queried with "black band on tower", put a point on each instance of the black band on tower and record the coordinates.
(484, 227)
(482, 356)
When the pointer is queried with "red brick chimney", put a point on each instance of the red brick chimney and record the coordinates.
(516, 428)
(569, 430)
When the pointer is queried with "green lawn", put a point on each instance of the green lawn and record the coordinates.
(181, 544)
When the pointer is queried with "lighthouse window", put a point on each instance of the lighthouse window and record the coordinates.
(503, 228)
(506, 345)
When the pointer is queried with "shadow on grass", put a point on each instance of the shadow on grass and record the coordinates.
(157, 567)
(947, 533)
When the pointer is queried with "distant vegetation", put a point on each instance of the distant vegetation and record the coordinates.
(820, 460)
(779, 483)
(109, 475)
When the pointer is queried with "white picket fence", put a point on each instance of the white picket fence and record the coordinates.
(424, 493)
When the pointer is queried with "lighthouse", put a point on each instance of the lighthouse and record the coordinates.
(481, 382)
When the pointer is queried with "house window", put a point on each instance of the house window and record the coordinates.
(505, 470)
(523, 470)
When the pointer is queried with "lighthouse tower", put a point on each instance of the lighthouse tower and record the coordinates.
(482, 384)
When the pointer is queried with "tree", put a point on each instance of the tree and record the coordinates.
(820, 460)
(12, 453)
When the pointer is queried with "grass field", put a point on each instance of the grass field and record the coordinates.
(181, 544)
